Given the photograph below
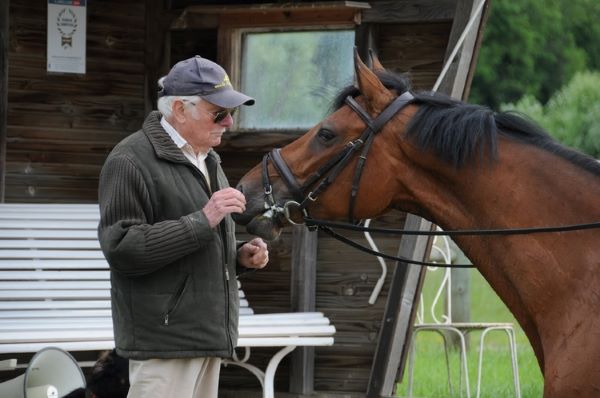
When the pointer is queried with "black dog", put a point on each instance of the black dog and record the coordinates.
(109, 378)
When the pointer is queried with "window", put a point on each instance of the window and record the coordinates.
(293, 75)
(293, 57)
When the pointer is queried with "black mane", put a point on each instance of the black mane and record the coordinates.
(461, 133)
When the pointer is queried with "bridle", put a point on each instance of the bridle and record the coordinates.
(304, 194)
(296, 212)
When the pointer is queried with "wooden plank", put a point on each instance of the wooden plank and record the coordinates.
(4, 43)
(476, 48)
(416, 49)
(303, 297)
(156, 61)
(282, 14)
(399, 312)
(408, 11)
(455, 80)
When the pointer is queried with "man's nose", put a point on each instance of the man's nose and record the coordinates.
(228, 121)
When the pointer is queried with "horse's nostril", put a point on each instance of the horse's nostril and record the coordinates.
(240, 188)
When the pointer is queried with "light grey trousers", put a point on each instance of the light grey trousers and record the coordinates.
(174, 378)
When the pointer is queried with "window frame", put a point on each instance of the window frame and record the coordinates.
(234, 22)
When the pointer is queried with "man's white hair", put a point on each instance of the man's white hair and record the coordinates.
(165, 104)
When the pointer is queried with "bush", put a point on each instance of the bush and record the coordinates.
(571, 114)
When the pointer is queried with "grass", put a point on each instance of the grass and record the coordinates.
(430, 374)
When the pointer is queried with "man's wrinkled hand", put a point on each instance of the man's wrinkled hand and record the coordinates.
(222, 203)
(253, 254)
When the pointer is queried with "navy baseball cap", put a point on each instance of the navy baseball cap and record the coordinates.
(202, 77)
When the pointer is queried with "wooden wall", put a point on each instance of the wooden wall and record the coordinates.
(62, 126)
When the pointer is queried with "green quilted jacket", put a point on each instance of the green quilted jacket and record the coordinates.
(173, 286)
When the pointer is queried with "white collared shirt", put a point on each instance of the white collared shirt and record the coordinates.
(197, 160)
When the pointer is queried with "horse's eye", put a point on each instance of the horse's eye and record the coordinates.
(326, 135)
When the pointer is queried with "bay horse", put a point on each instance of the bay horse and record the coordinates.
(461, 166)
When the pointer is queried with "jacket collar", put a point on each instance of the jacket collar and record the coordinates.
(164, 147)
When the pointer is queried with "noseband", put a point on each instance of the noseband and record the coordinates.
(302, 193)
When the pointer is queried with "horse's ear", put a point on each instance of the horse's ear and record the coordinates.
(375, 63)
(378, 97)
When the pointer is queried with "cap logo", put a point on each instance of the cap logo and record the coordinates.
(224, 83)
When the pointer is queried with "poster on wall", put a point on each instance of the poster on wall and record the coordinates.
(66, 36)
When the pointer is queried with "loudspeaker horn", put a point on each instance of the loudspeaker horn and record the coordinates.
(52, 373)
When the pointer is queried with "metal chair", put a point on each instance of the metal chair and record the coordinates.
(443, 324)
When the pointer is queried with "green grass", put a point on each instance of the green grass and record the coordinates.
(430, 375)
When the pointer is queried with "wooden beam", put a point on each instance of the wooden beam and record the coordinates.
(156, 49)
(476, 48)
(4, 43)
(455, 80)
(367, 37)
(407, 11)
(303, 299)
(394, 336)
(280, 14)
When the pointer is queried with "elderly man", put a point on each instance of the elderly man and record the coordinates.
(167, 234)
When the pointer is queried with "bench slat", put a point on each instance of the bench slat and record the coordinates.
(51, 206)
(105, 332)
(48, 233)
(245, 320)
(43, 314)
(53, 285)
(48, 224)
(54, 254)
(54, 294)
(53, 305)
(53, 264)
(54, 275)
(50, 244)
(51, 215)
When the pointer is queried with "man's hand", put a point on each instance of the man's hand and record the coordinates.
(223, 202)
(253, 254)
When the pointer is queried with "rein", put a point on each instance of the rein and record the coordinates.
(295, 211)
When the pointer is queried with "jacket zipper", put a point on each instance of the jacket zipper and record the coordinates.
(177, 299)
(223, 236)
(226, 283)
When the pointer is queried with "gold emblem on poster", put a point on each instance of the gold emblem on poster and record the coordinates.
(66, 22)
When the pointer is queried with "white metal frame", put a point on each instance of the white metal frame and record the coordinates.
(460, 329)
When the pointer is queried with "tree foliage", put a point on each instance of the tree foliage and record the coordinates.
(533, 48)
(571, 114)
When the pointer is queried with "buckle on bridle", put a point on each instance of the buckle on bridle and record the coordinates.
(289, 207)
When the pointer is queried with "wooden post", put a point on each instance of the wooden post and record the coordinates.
(4, 43)
(303, 298)
(156, 48)
(455, 81)
(394, 337)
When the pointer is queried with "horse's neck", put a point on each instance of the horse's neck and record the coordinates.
(533, 274)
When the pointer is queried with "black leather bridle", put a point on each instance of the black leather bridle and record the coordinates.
(295, 211)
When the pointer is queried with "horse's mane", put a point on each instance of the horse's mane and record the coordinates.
(461, 133)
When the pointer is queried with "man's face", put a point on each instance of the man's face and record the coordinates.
(201, 128)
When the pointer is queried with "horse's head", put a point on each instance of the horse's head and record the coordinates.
(320, 173)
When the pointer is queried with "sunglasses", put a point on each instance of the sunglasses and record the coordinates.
(218, 116)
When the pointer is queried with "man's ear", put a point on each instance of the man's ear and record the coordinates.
(178, 110)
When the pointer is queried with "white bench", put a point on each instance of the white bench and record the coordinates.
(55, 291)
